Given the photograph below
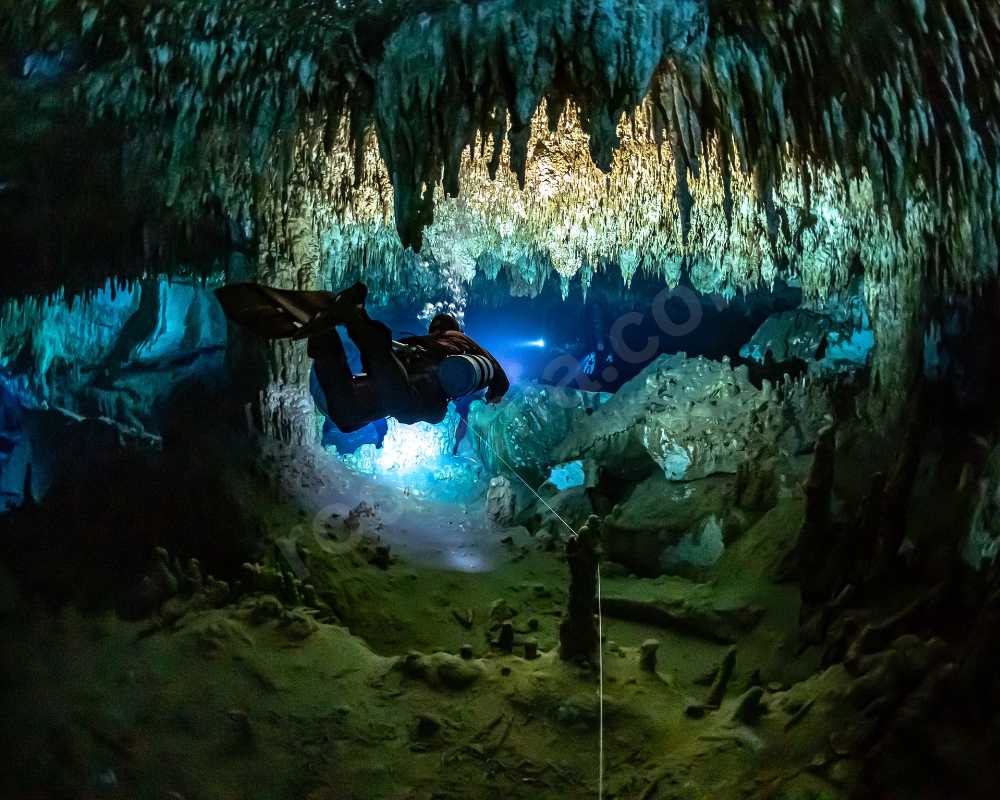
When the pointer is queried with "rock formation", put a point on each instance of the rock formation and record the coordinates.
(326, 141)
(500, 501)
(525, 431)
(691, 418)
(117, 354)
(644, 532)
(578, 633)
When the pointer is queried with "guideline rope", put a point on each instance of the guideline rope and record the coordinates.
(600, 615)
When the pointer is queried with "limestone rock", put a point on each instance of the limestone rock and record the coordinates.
(689, 418)
(501, 611)
(749, 706)
(219, 637)
(577, 713)
(262, 578)
(573, 505)
(717, 691)
(663, 524)
(131, 345)
(158, 587)
(647, 655)
(835, 336)
(265, 608)
(298, 625)
(442, 670)
(757, 485)
(526, 428)
(166, 581)
(500, 501)
(697, 613)
(578, 632)
(357, 516)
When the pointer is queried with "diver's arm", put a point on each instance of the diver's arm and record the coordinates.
(500, 384)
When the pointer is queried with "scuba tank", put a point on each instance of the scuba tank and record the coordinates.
(464, 374)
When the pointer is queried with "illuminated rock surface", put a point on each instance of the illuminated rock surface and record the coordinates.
(525, 432)
(314, 129)
(118, 354)
(693, 418)
(644, 532)
(196, 601)
(837, 335)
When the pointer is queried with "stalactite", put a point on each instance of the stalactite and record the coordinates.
(237, 80)
(795, 138)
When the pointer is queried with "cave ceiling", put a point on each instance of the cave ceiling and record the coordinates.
(736, 141)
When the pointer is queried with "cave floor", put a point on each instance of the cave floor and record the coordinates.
(370, 700)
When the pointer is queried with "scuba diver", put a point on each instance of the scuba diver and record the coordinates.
(412, 380)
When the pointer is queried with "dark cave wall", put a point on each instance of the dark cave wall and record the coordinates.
(112, 362)
(76, 209)
(115, 353)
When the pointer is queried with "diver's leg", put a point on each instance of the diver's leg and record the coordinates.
(350, 403)
(332, 367)
(374, 341)
(408, 398)
(364, 404)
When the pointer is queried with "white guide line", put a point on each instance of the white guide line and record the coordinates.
(600, 615)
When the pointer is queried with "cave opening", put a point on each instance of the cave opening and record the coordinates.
(477, 398)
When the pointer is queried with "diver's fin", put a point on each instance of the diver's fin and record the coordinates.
(344, 308)
(272, 313)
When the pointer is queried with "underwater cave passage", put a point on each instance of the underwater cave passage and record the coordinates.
(500, 399)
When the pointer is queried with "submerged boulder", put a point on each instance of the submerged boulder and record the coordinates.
(664, 524)
(702, 421)
(500, 501)
(690, 418)
(834, 336)
(523, 432)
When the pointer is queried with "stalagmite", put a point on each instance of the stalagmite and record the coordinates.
(810, 559)
(749, 706)
(648, 655)
(578, 638)
(717, 691)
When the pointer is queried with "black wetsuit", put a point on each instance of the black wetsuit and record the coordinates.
(399, 379)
